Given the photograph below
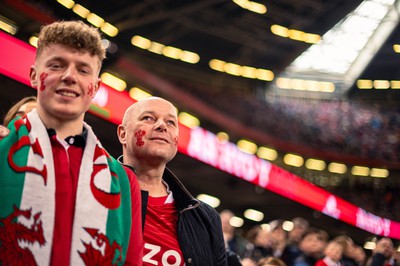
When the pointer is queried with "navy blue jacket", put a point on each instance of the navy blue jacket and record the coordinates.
(199, 226)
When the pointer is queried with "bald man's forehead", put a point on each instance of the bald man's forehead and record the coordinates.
(152, 104)
(154, 108)
(157, 104)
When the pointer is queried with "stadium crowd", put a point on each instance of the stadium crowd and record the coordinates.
(364, 130)
(359, 129)
(303, 245)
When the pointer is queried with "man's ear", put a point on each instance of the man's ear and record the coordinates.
(97, 87)
(33, 76)
(121, 132)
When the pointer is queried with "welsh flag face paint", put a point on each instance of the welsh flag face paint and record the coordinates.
(139, 137)
(43, 77)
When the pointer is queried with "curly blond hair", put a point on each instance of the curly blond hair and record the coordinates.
(73, 34)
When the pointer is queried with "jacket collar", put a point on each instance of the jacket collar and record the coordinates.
(183, 198)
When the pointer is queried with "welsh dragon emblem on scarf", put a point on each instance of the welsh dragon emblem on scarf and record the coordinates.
(102, 218)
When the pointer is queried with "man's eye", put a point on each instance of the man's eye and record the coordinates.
(84, 71)
(148, 118)
(171, 122)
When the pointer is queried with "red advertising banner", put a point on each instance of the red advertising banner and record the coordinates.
(16, 57)
(206, 147)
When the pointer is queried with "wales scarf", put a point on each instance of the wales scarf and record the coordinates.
(102, 219)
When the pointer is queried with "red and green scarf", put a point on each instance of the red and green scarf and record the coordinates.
(102, 218)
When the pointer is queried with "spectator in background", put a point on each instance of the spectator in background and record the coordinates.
(300, 226)
(396, 257)
(332, 255)
(248, 262)
(278, 237)
(383, 254)
(271, 261)
(260, 240)
(348, 257)
(311, 248)
(21, 108)
(291, 250)
(359, 256)
(233, 241)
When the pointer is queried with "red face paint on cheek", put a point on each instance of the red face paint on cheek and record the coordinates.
(90, 90)
(176, 141)
(43, 77)
(139, 137)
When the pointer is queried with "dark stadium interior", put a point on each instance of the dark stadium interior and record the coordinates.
(221, 29)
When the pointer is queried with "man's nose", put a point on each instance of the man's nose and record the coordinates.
(69, 75)
(160, 125)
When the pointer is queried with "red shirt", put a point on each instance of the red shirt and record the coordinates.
(135, 250)
(66, 167)
(161, 246)
(67, 162)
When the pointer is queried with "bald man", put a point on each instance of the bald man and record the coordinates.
(178, 228)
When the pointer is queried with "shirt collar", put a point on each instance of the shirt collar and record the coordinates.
(77, 140)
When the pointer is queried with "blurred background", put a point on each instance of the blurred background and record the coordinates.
(311, 86)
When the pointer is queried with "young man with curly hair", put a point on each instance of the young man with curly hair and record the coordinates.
(65, 200)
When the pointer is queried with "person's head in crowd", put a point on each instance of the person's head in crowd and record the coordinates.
(396, 256)
(66, 71)
(259, 236)
(385, 247)
(271, 261)
(278, 236)
(227, 229)
(348, 245)
(248, 262)
(334, 251)
(233, 240)
(313, 242)
(300, 226)
(384, 253)
(21, 108)
(359, 255)
(277, 232)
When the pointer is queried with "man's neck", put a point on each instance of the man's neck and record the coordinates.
(150, 179)
(64, 128)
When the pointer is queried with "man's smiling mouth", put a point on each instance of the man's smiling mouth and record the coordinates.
(161, 139)
(68, 93)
